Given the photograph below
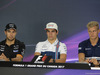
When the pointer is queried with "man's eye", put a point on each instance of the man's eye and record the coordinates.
(48, 31)
(53, 31)
(13, 32)
(8, 31)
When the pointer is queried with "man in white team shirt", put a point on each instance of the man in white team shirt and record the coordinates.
(52, 46)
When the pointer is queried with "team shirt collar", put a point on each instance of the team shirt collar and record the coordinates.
(98, 43)
(12, 44)
(55, 43)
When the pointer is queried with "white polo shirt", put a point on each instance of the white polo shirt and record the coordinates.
(49, 49)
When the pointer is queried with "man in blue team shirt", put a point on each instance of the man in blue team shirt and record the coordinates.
(90, 47)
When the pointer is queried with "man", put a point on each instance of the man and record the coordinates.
(52, 46)
(91, 46)
(11, 49)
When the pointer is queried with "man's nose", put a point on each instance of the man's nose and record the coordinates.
(50, 32)
(11, 34)
(92, 33)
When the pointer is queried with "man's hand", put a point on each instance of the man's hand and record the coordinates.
(3, 57)
(18, 58)
(51, 61)
(95, 62)
(87, 60)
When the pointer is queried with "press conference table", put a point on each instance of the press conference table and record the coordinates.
(28, 68)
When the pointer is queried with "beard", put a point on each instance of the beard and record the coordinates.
(11, 39)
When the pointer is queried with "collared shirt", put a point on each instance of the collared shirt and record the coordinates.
(12, 50)
(89, 50)
(49, 49)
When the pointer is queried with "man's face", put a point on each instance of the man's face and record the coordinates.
(52, 34)
(93, 32)
(10, 34)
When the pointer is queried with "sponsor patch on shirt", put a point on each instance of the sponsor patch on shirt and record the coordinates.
(2, 50)
(16, 46)
(22, 52)
(15, 50)
(2, 45)
(87, 48)
(79, 48)
(44, 48)
(65, 47)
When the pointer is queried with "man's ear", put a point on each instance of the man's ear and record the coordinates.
(99, 30)
(5, 32)
(57, 32)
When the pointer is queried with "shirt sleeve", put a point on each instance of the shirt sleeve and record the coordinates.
(63, 48)
(38, 48)
(81, 48)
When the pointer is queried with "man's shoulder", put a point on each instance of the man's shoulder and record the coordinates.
(99, 39)
(62, 44)
(2, 42)
(41, 43)
(19, 42)
(84, 42)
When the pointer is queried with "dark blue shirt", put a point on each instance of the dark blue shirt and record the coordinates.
(89, 50)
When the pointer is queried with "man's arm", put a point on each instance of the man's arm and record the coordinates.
(18, 57)
(81, 57)
(38, 49)
(63, 54)
(3, 57)
(95, 62)
(37, 53)
(61, 60)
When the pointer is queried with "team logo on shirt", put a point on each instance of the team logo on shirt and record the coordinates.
(87, 48)
(22, 51)
(44, 47)
(65, 47)
(79, 48)
(16, 46)
(2, 50)
(2, 47)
